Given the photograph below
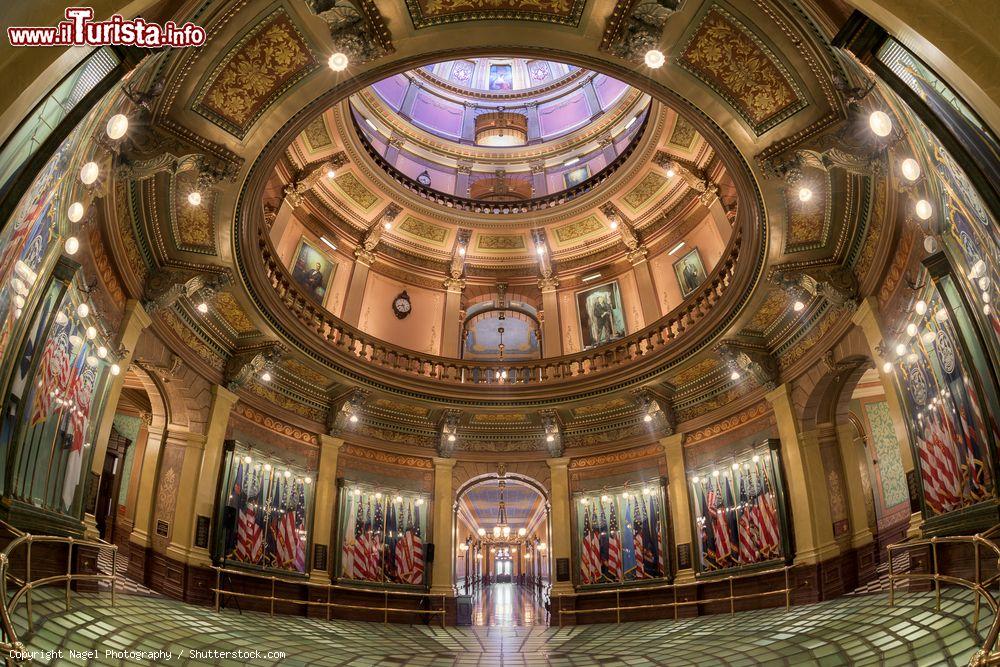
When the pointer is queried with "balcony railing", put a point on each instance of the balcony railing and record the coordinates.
(347, 340)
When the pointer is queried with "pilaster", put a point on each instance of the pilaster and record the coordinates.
(561, 546)
(442, 575)
(323, 505)
(678, 495)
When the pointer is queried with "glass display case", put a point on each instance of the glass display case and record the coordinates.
(739, 509)
(264, 510)
(382, 533)
(620, 534)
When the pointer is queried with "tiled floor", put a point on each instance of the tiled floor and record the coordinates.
(507, 605)
(860, 630)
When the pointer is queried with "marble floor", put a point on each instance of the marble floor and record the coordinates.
(507, 605)
(858, 630)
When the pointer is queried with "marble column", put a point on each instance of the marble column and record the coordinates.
(807, 486)
(866, 317)
(442, 575)
(451, 329)
(680, 503)
(323, 504)
(551, 329)
(133, 324)
(207, 474)
(355, 292)
(561, 546)
(647, 289)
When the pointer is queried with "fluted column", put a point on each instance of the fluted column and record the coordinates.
(442, 575)
(206, 472)
(323, 503)
(561, 546)
(807, 486)
(134, 323)
(680, 502)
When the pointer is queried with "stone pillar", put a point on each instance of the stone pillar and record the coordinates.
(207, 476)
(355, 293)
(680, 502)
(861, 534)
(866, 317)
(134, 323)
(722, 224)
(534, 126)
(807, 487)
(281, 220)
(469, 123)
(442, 579)
(147, 470)
(539, 184)
(561, 543)
(182, 530)
(551, 329)
(406, 106)
(592, 100)
(323, 503)
(451, 329)
(647, 290)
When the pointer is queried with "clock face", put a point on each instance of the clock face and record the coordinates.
(424, 178)
(401, 305)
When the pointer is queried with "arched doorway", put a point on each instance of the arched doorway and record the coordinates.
(502, 534)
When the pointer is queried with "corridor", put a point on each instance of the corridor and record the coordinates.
(507, 605)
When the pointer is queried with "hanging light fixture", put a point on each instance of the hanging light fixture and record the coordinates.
(501, 128)
(501, 529)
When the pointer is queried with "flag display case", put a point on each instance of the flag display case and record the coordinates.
(621, 535)
(382, 534)
(738, 505)
(268, 503)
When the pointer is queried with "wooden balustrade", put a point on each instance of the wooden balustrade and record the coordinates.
(350, 341)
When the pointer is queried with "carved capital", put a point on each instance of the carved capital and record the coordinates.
(448, 439)
(635, 28)
(243, 366)
(755, 362)
(548, 284)
(345, 410)
(553, 436)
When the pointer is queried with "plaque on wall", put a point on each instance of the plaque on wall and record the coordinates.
(913, 489)
(684, 556)
(562, 569)
(319, 556)
(162, 528)
(201, 532)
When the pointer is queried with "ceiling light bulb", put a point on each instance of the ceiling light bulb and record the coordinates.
(805, 194)
(900, 349)
(354, 419)
(61, 318)
(735, 375)
(115, 369)
(550, 438)
(19, 301)
(451, 437)
(647, 418)
(614, 225)
(202, 307)
(941, 315)
(920, 307)
(928, 337)
(89, 173)
(387, 226)
(194, 198)
(71, 245)
(880, 123)
(923, 209)
(461, 251)
(984, 283)
(911, 329)
(540, 249)
(978, 268)
(338, 62)
(82, 310)
(75, 212)
(265, 376)
(330, 173)
(671, 173)
(102, 352)
(986, 297)
(92, 361)
(655, 59)
(695, 479)
(798, 306)
(117, 126)
(912, 357)
(887, 367)
(288, 473)
(910, 169)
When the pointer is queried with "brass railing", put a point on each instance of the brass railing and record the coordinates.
(329, 604)
(14, 650)
(987, 540)
(677, 604)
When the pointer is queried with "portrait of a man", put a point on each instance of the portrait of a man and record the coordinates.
(690, 272)
(312, 270)
(602, 318)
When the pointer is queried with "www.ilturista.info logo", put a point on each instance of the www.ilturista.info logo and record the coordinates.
(79, 29)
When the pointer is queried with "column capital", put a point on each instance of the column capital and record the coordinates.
(672, 443)
(185, 438)
(135, 316)
(330, 443)
(441, 462)
(561, 462)
(223, 397)
(780, 393)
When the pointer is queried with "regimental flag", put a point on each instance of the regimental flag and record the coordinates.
(391, 537)
(638, 548)
(706, 529)
(766, 507)
(586, 564)
(300, 525)
(286, 536)
(363, 565)
(629, 560)
(748, 551)
(720, 526)
(594, 546)
(939, 470)
(603, 545)
(415, 573)
(614, 545)
(352, 535)
(78, 396)
(404, 560)
(53, 372)
(652, 540)
(245, 518)
(375, 546)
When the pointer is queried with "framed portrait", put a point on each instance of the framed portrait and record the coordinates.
(576, 176)
(501, 77)
(690, 272)
(312, 270)
(602, 317)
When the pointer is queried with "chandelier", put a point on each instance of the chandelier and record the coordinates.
(501, 530)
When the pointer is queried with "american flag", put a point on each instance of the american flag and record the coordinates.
(938, 467)
(586, 568)
(402, 553)
(375, 540)
(285, 537)
(80, 389)
(706, 532)
(637, 544)
(352, 536)
(770, 530)
(53, 372)
(391, 537)
(614, 545)
(249, 533)
(720, 526)
(603, 544)
(414, 549)
(652, 540)
(748, 551)
(363, 566)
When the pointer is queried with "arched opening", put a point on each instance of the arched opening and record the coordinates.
(502, 534)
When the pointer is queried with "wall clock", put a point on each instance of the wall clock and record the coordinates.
(401, 305)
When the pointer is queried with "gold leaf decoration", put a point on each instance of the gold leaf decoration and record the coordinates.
(424, 230)
(578, 229)
(425, 13)
(233, 314)
(316, 134)
(644, 190)
(356, 191)
(501, 242)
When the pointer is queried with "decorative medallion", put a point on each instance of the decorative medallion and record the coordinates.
(265, 63)
(945, 351)
(918, 384)
(729, 58)
(435, 12)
